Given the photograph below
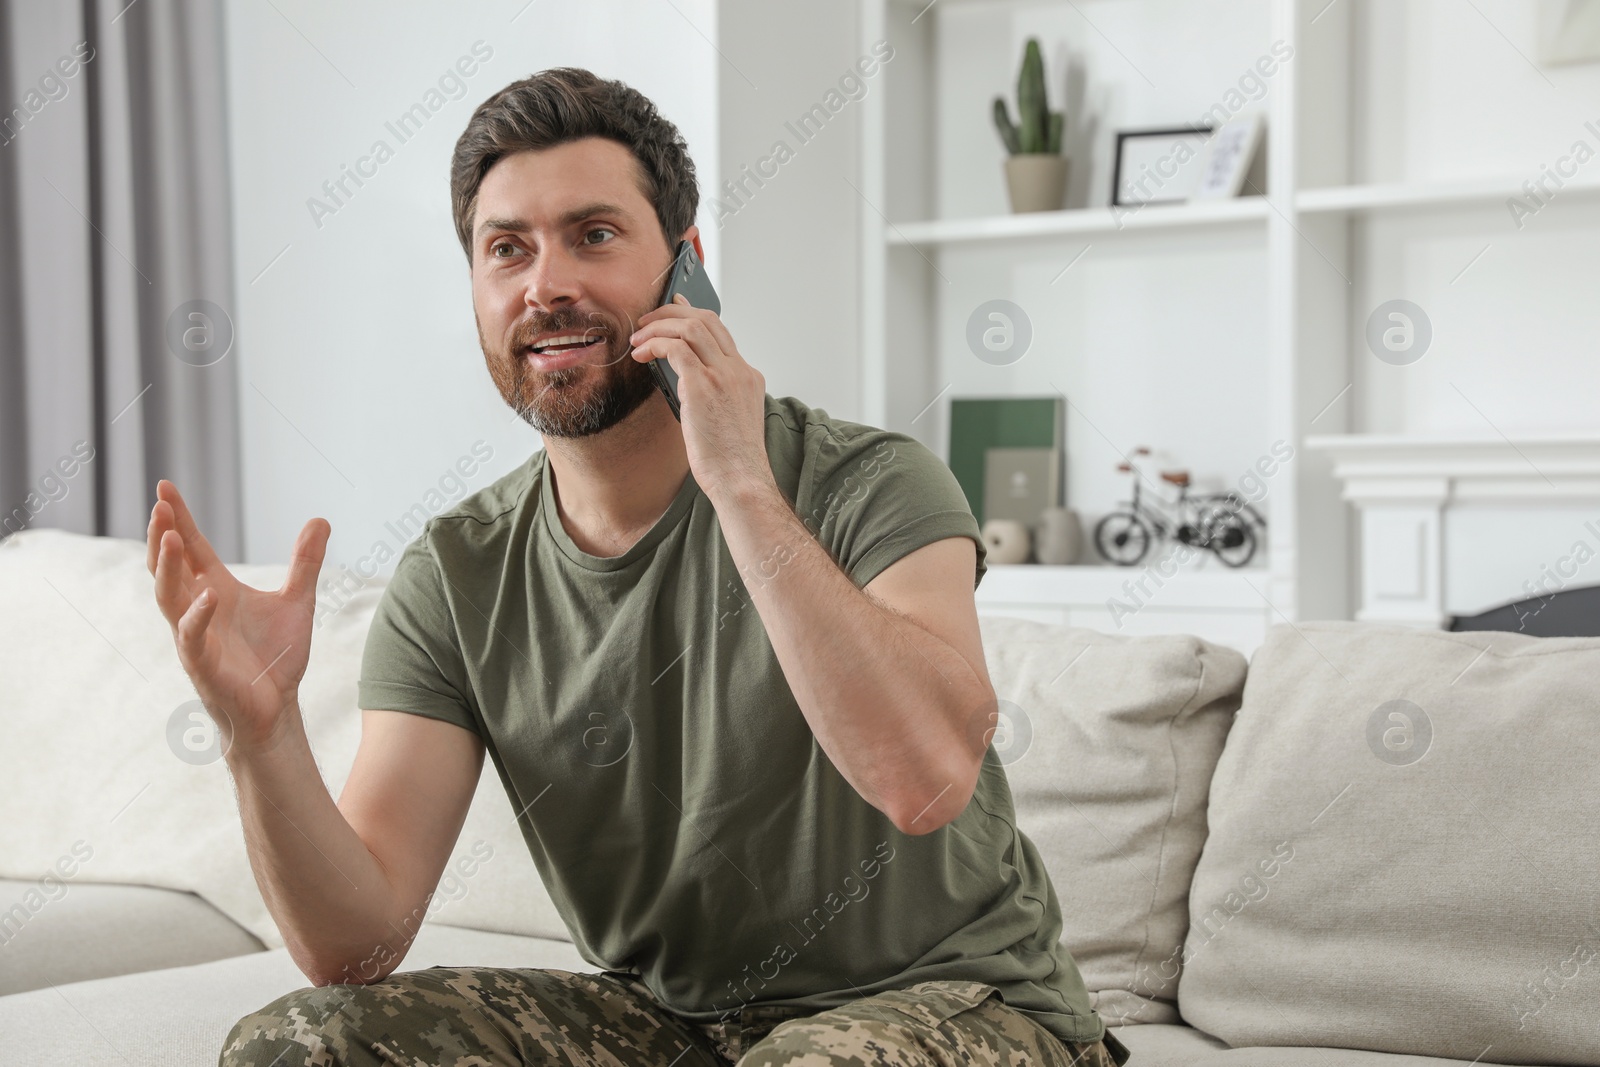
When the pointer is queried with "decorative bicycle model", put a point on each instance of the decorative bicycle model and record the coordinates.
(1222, 523)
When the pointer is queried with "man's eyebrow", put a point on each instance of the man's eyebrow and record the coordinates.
(577, 214)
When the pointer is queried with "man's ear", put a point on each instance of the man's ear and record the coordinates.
(692, 234)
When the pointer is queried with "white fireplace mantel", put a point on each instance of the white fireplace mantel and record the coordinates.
(1401, 485)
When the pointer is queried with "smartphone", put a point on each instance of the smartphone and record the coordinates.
(689, 278)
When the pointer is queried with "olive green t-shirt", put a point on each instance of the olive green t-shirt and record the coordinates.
(688, 826)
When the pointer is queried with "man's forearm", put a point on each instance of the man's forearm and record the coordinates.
(890, 704)
(330, 896)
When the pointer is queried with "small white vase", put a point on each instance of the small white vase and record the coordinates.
(1006, 541)
(1058, 536)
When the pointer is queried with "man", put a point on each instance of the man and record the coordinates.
(728, 670)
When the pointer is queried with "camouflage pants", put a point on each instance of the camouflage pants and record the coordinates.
(475, 1017)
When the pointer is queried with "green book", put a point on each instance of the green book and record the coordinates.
(978, 424)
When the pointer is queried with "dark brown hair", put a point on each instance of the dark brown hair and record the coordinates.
(564, 104)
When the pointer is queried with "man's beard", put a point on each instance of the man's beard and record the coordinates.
(577, 401)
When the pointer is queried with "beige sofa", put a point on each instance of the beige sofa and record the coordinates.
(1376, 847)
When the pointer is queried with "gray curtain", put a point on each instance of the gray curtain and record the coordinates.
(116, 287)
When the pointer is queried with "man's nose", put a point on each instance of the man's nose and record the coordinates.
(555, 279)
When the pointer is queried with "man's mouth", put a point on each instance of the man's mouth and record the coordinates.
(571, 342)
(568, 350)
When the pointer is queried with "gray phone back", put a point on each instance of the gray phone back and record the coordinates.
(689, 278)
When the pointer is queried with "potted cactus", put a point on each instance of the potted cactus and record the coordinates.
(1036, 172)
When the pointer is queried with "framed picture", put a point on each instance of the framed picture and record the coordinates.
(1158, 166)
(1569, 31)
(1007, 427)
(1019, 483)
(1228, 158)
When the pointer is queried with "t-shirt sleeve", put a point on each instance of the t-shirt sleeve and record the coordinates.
(879, 495)
(412, 658)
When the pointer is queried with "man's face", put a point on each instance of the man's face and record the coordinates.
(564, 243)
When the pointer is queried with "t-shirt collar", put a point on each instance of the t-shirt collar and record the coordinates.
(675, 513)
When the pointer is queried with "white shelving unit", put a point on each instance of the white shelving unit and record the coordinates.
(1213, 330)
(1414, 195)
(1092, 221)
(1225, 605)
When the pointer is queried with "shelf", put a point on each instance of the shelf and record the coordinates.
(1212, 588)
(1382, 197)
(1214, 213)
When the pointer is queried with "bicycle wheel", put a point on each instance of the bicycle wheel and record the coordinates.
(1231, 539)
(1122, 537)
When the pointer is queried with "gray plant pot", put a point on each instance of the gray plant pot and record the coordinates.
(1037, 181)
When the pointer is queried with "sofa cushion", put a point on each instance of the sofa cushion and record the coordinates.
(92, 684)
(1405, 832)
(56, 932)
(1288, 1056)
(1110, 759)
(179, 1017)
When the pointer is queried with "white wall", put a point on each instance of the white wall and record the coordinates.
(362, 380)
(1448, 90)
(792, 288)
(1451, 91)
